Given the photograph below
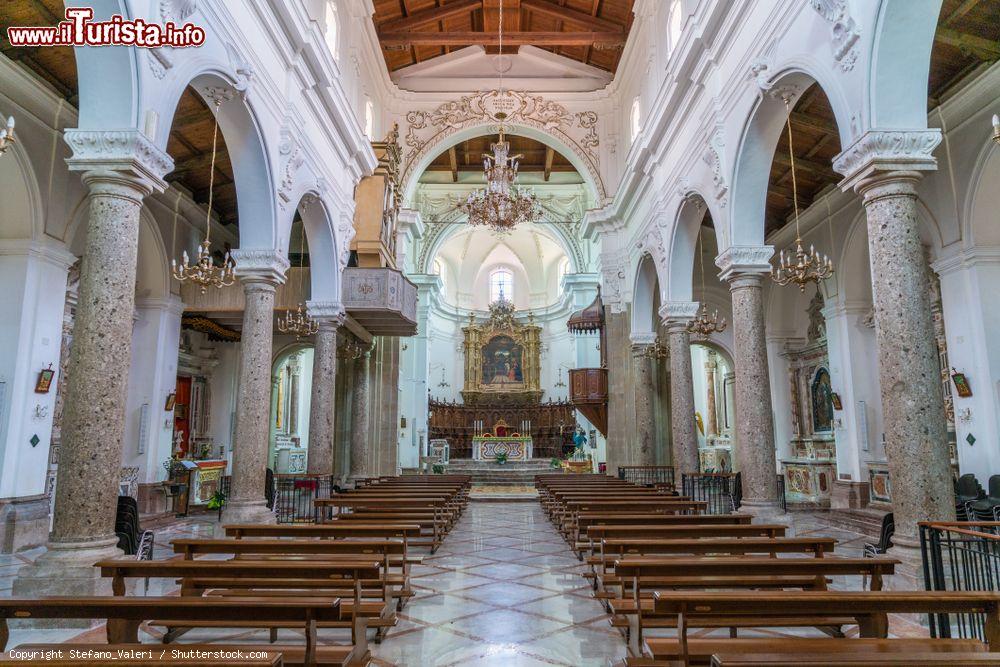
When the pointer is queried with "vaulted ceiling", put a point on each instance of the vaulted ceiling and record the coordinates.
(589, 31)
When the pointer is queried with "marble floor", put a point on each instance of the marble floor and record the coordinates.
(503, 589)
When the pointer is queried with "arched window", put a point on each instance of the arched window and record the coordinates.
(501, 285)
(675, 23)
(563, 270)
(635, 118)
(332, 29)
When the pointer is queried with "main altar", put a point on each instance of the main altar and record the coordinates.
(502, 440)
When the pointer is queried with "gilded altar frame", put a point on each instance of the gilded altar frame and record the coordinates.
(477, 336)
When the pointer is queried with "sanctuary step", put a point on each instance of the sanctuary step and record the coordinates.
(489, 473)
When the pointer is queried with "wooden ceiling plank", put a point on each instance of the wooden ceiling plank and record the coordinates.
(466, 38)
(550, 155)
(980, 47)
(593, 12)
(572, 15)
(49, 16)
(809, 166)
(453, 161)
(960, 11)
(433, 15)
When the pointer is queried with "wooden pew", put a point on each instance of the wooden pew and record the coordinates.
(392, 554)
(641, 576)
(585, 520)
(869, 610)
(442, 515)
(125, 614)
(198, 576)
(673, 529)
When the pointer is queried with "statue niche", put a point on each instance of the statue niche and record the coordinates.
(502, 358)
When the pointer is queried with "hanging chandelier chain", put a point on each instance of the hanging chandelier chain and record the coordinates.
(704, 325)
(211, 173)
(791, 160)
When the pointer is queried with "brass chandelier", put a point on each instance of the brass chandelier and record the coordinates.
(204, 271)
(297, 322)
(501, 205)
(799, 267)
(704, 325)
(7, 136)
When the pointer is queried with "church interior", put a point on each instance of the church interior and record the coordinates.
(644, 333)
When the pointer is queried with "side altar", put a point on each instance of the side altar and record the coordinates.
(502, 358)
(487, 446)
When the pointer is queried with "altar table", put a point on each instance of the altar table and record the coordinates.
(516, 448)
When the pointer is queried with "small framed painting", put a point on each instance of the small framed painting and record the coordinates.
(835, 398)
(962, 387)
(169, 405)
(44, 382)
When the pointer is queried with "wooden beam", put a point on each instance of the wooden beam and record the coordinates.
(814, 122)
(980, 47)
(453, 159)
(572, 15)
(960, 11)
(466, 38)
(550, 155)
(809, 166)
(432, 15)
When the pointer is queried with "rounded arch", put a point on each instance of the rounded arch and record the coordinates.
(683, 247)
(282, 353)
(901, 62)
(22, 202)
(152, 278)
(454, 136)
(983, 201)
(759, 139)
(240, 127)
(645, 297)
(108, 78)
(324, 262)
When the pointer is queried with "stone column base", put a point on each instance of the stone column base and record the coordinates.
(849, 495)
(24, 523)
(67, 569)
(243, 512)
(767, 512)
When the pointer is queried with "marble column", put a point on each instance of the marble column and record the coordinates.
(684, 436)
(644, 388)
(330, 317)
(884, 168)
(746, 268)
(260, 272)
(120, 169)
(712, 423)
(359, 417)
(294, 381)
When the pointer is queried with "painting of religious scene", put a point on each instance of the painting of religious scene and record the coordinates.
(503, 362)
(822, 402)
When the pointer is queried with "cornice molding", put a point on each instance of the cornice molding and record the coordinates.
(328, 312)
(128, 152)
(678, 311)
(744, 260)
(266, 265)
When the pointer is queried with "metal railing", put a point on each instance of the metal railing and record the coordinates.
(960, 556)
(647, 475)
(722, 491)
(294, 496)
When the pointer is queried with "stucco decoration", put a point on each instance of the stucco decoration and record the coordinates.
(713, 158)
(264, 264)
(613, 274)
(177, 10)
(119, 150)
(291, 152)
(428, 128)
(162, 59)
(652, 243)
(888, 151)
(844, 31)
(737, 260)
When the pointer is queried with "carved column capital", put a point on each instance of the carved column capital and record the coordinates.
(330, 315)
(260, 265)
(126, 157)
(886, 151)
(678, 312)
(742, 260)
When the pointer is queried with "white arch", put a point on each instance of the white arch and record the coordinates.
(240, 127)
(454, 136)
(644, 296)
(108, 78)
(759, 139)
(324, 256)
(900, 63)
(22, 216)
(683, 246)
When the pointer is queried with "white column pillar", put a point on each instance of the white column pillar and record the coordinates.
(33, 274)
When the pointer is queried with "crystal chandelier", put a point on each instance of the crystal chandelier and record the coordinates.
(7, 136)
(501, 205)
(204, 271)
(704, 325)
(297, 322)
(799, 267)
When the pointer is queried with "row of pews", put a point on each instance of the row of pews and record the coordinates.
(670, 575)
(351, 570)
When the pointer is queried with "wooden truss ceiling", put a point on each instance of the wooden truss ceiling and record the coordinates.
(589, 31)
(466, 158)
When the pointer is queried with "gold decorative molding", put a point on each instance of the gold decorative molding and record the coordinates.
(487, 345)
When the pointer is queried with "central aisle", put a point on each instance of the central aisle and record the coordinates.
(503, 589)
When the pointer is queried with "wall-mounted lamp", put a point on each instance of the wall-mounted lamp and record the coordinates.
(7, 136)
